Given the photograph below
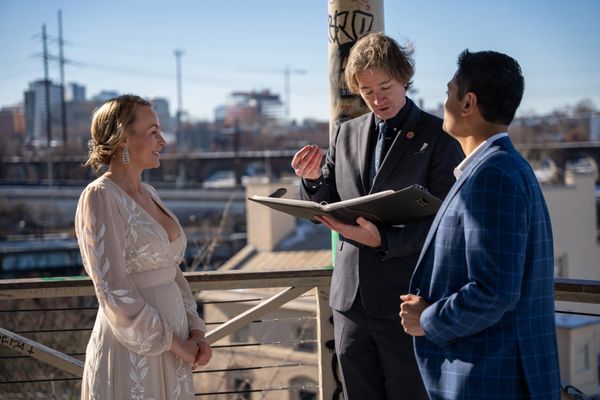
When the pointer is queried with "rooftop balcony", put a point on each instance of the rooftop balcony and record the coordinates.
(270, 331)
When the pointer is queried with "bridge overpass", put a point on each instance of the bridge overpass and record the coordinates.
(192, 168)
(561, 152)
(188, 169)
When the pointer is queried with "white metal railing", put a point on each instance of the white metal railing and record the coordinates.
(294, 283)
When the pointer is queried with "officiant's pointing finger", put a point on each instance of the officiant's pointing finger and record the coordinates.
(307, 162)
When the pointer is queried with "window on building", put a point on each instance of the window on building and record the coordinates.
(242, 387)
(307, 335)
(307, 395)
(560, 265)
(241, 335)
(199, 304)
(583, 355)
(303, 389)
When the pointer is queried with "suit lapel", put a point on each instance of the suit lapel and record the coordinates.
(362, 145)
(398, 148)
(496, 146)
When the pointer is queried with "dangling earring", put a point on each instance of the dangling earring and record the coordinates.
(125, 156)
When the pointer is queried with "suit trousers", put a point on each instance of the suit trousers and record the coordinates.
(376, 357)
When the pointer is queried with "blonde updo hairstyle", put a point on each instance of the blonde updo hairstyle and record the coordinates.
(109, 126)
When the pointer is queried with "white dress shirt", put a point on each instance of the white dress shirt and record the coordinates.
(460, 168)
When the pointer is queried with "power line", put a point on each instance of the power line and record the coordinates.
(286, 73)
(190, 78)
(61, 62)
(180, 139)
(154, 74)
(48, 115)
(123, 70)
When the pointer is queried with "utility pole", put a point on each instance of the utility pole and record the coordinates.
(180, 135)
(286, 74)
(181, 172)
(48, 113)
(348, 21)
(61, 62)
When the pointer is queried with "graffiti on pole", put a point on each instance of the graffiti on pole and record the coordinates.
(345, 28)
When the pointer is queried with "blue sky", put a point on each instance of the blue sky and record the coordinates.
(243, 45)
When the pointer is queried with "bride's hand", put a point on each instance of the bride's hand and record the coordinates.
(204, 353)
(184, 349)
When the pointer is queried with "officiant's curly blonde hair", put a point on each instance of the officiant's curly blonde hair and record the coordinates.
(109, 126)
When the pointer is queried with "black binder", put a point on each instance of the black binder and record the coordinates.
(390, 207)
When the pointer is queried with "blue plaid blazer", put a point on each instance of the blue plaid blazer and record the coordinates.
(486, 270)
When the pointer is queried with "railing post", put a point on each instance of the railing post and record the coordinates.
(327, 383)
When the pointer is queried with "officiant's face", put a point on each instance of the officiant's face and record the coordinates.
(384, 95)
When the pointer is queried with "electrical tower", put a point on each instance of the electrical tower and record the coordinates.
(61, 62)
(287, 92)
(47, 101)
(180, 136)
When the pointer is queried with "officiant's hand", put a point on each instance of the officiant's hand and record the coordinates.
(364, 233)
(307, 162)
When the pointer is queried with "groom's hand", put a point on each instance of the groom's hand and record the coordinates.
(411, 308)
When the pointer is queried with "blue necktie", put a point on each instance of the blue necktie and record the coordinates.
(379, 150)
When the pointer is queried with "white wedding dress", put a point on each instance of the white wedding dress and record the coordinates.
(142, 294)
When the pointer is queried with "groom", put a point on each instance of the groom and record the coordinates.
(481, 306)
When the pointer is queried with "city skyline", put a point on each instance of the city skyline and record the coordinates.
(243, 46)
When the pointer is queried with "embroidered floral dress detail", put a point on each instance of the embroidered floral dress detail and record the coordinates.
(143, 298)
(137, 373)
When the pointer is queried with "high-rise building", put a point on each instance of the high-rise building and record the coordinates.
(75, 92)
(161, 107)
(595, 127)
(243, 107)
(36, 111)
(12, 121)
(105, 95)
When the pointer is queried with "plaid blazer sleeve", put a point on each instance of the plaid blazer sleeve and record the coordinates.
(493, 220)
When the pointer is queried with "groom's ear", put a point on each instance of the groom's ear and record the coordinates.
(469, 104)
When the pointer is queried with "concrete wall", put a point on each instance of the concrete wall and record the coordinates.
(572, 208)
(265, 226)
(569, 339)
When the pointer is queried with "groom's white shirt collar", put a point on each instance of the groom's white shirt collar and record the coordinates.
(460, 168)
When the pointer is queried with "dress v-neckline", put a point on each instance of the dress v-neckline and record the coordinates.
(147, 213)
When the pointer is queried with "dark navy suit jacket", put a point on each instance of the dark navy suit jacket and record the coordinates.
(487, 271)
(421, 154)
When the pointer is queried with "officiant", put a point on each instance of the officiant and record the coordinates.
(393, 146)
